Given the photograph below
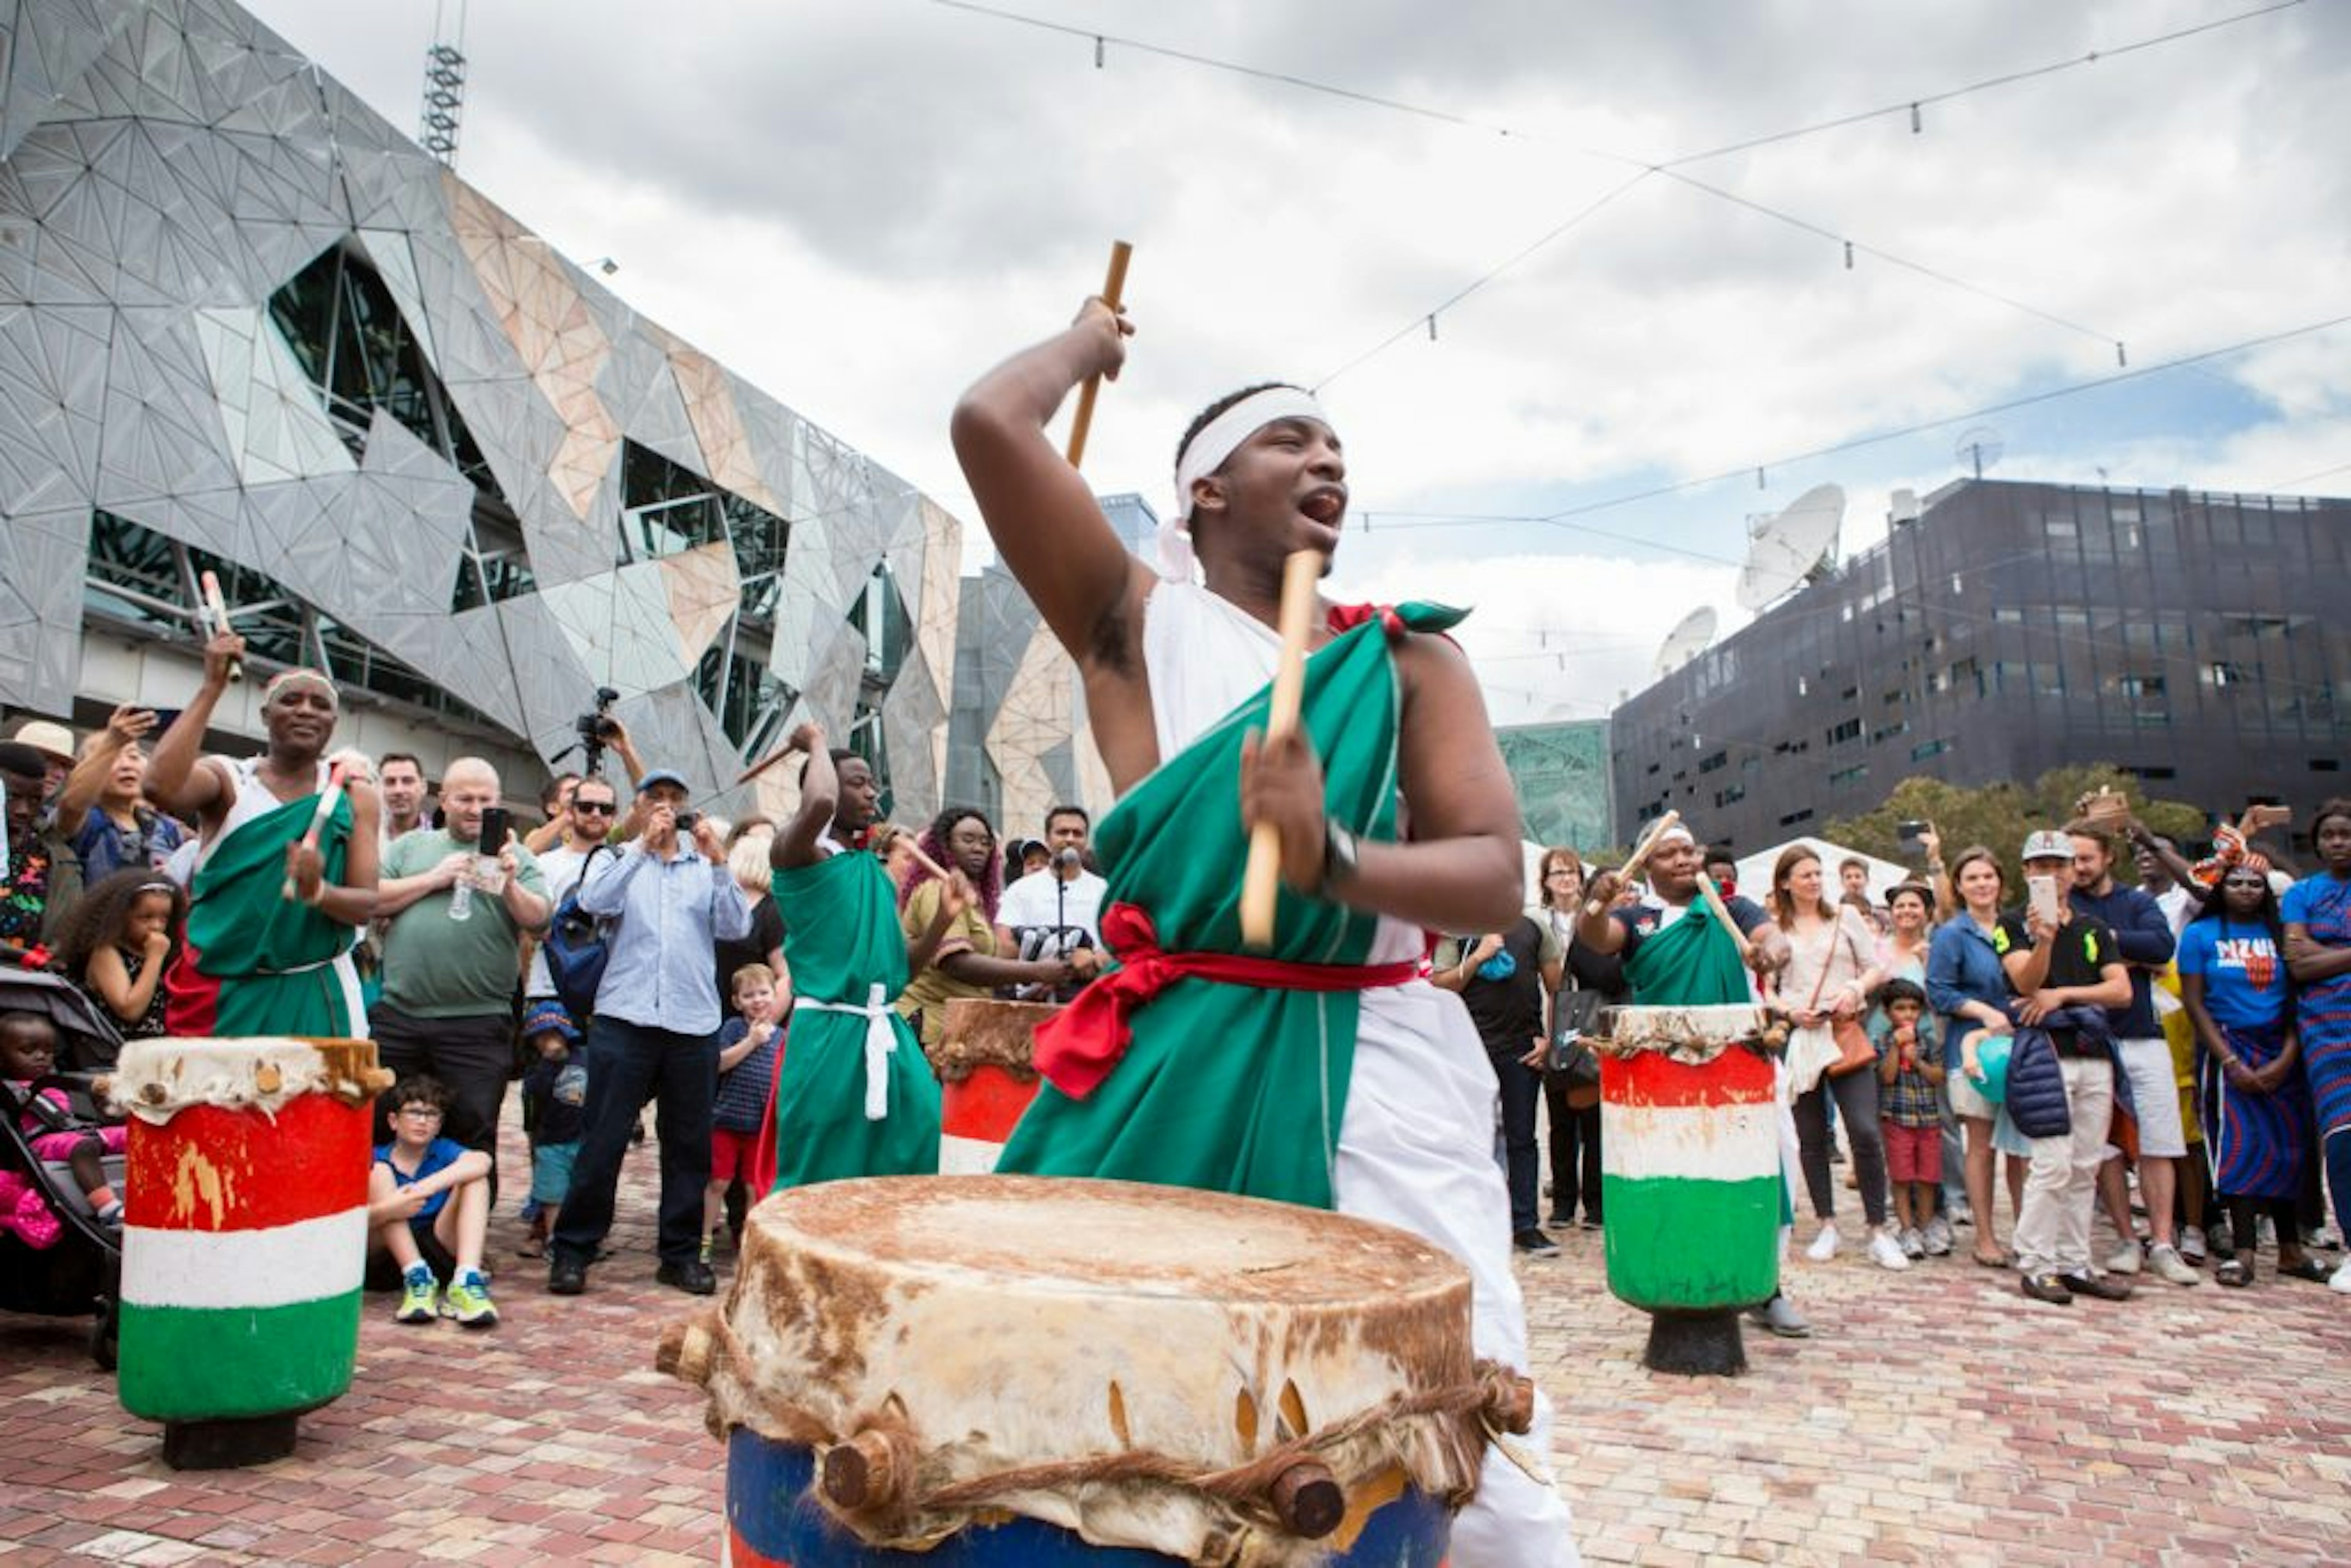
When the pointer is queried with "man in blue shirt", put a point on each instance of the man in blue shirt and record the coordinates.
(2143, 936)
(671, 898)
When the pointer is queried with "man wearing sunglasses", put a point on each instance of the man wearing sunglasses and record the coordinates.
(588, 821)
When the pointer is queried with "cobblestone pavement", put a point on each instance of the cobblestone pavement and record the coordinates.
(1937, 1417)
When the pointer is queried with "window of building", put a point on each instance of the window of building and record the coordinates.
(1793, 818)
(2152, 775)
(1899, 727)
(1925, 748)
(1729, 793)
(2008, 615)
(2060, 527)
(1853, 775)
(2326, 765)
(1717, 759)
(142, 577)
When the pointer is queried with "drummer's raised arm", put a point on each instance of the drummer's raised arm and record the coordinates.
(1601, 931)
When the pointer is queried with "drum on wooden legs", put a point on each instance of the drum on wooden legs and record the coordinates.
(1689, 1148)
(244, 1236)
(945, 1371)
(985, 1060)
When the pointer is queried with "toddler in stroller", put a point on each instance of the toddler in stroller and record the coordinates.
(57, 1257)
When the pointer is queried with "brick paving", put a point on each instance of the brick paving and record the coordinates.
(1937, 1417)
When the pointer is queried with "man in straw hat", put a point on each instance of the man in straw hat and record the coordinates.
(1326, 1072)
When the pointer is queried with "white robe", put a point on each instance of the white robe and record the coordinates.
(1417, 1138)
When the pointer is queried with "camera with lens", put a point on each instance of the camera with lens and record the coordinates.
(686, 819)
(596, 729)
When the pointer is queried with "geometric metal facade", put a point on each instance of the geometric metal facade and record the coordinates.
(458, 480)
(1560, 773)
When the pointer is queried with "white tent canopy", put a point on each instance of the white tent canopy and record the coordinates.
(1755, 870)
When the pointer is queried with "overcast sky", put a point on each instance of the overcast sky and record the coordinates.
(862, 203)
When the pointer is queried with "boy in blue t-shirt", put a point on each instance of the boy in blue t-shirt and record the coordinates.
(429, 1207)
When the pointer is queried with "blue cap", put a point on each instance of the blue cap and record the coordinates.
(548, 1018)
(664, 775)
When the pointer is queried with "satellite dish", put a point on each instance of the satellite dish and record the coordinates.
(1979, 448)
(1792, 548)
(1903, 508)
(1686, 641)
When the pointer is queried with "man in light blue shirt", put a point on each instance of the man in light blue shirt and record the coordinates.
(671, 899)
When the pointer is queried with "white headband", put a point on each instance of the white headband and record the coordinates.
(301, 676)
(1206, 450)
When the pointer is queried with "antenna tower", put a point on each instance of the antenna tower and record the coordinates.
(444, 89)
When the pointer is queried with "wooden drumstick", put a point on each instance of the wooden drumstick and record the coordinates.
(1713, 897)
(1640, 855)
(1261, 880)
(914, 848)
(329, 799)
(1114, 287)
(216, 610)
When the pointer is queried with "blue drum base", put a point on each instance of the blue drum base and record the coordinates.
(774, 1520)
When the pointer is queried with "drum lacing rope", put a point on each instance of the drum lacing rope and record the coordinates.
(1496, 1397)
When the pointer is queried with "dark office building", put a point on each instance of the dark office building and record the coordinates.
(2201, 641)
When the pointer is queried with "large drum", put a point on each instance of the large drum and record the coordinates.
(938, 1370)
(244, 1236)
(985, 1060)
(1689, 1150)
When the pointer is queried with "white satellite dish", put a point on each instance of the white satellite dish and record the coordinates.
(1902, 510)
(1788, 550)
(1686, 641)
(1979, 448)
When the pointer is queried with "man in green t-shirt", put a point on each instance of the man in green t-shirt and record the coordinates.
(454, 923)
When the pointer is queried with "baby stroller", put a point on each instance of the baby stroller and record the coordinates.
(79, 1269)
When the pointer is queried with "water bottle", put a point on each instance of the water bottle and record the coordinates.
(460, 897)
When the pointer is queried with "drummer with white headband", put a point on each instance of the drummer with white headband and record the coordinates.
(1321, 1072)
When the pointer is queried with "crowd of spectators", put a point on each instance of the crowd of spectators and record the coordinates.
(2172, 1046)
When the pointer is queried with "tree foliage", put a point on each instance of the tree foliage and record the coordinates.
(2000, 815)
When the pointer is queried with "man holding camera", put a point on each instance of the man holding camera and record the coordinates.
(671, 898)
(454, 903)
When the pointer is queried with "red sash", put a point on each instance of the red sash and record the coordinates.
(1077, 1046)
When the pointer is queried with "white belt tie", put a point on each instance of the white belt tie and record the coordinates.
(881, 1040)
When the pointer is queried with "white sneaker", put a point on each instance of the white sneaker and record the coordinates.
(2166, 1264)
(1936, 1236)
(1824, 1245)
(2126, 1260)
(2342, 1279)
(2191, 1244)
(1886, 1249)
(1914, 1245)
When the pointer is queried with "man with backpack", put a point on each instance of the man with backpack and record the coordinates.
(586, 821)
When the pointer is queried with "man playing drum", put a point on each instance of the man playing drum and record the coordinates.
(1325, 1072)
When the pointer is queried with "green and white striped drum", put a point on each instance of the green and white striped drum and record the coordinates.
(244, 1234)
(1689, 1144)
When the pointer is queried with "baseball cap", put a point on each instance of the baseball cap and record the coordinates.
(548, 1018)
(2047, 845)
(51, 740)
(671, 776)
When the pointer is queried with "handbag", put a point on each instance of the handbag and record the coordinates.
(1572, 1013)
(1850, 1040)
(577, 947)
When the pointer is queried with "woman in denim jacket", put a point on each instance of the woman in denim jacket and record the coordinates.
(1967, 988)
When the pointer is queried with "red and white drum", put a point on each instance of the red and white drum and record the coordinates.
(244, 1239)
(985, 1060)
(1009, 1370)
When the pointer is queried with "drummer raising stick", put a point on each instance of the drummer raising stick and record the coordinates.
(1293, 1072)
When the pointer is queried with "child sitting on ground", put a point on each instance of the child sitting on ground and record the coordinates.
(28, 1052)
(747, 1049)
(555, 1092)
(1910, 1107)
(429, 1207)
(117, 944)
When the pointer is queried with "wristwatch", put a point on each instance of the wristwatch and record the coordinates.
(1339, 862)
